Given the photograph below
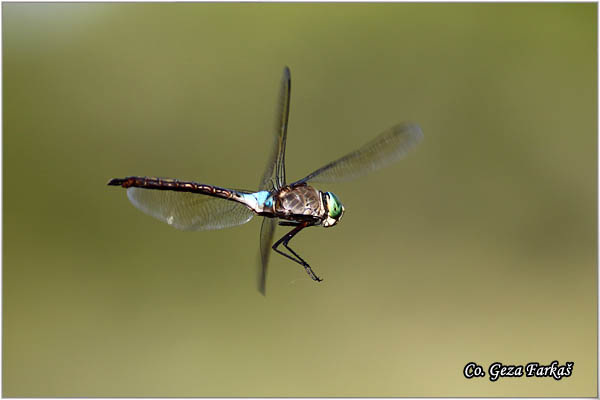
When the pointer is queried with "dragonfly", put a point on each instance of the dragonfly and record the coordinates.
(194, 206)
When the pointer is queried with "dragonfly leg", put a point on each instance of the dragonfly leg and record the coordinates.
(285, 240)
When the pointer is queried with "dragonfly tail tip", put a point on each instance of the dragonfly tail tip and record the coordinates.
(115, 182)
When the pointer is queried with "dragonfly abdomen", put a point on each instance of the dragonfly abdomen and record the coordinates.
(175, 185)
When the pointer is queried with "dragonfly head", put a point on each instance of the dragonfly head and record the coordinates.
(335, 210)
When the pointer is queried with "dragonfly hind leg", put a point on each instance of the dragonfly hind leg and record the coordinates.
(285, 240)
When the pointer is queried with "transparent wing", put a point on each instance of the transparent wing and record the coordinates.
(389, 146)
(267, 230)
(274, 175)
(189, 211)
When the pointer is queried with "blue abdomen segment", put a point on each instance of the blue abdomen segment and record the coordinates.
(259, 200)
(269, 201)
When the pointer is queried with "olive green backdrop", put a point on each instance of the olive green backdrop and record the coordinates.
(479, 246)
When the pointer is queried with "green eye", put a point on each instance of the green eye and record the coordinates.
(335, 206)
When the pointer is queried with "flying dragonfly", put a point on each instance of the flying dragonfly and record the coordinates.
(196, 206)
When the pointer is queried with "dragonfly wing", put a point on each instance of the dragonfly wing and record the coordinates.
(189, 211)
(274, 175)
(391, 145)
(267, 230)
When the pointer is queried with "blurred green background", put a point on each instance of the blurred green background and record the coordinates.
(479, 246)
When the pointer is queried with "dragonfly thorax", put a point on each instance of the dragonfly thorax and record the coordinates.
(299, 203)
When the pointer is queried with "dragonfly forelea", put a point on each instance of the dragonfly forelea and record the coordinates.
(195, 206)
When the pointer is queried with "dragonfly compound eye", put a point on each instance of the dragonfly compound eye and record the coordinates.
(335, 209)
